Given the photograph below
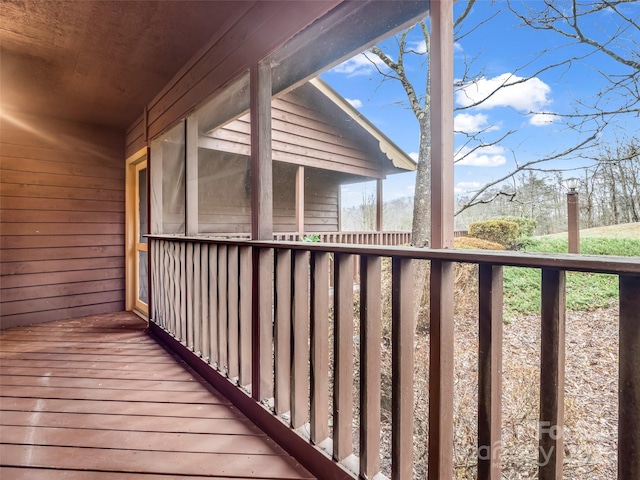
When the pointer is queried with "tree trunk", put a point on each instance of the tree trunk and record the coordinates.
(421, 230)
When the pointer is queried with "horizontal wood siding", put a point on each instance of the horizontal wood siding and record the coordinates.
(304, 133)
(135, 137)
(320, 200)
(62, 217)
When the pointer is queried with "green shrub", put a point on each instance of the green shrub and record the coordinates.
(526, 225)
(498, 231)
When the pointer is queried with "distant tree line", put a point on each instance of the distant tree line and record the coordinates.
(609, 193)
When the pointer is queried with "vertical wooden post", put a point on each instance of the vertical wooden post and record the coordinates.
(629, 382)
(343, 357)
(490, 295)
(402, 351)
(191, 175)
(441, 65)
(282, 338)
(441, 314)
(573, 222)
(300, 335)
(379, 205)
(261, 229)
(370, 364)
(319, 346)
(441, 372)
(300, 200)
(552, 340)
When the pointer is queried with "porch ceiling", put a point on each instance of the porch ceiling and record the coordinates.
(101, 61)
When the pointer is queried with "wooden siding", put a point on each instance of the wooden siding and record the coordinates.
(135, 137)
(308, 130)
(224, 203)
(62, 217)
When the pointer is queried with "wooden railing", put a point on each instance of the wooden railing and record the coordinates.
(258, 313)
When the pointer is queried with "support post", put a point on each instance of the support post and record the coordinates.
(573, 221)
(379, 205)
(300, 200)
(261, 229)
(441, 317)
(191, 174)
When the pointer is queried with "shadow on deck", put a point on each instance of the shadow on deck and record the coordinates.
(96, 397)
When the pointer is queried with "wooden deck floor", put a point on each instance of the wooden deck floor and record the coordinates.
(96, 398)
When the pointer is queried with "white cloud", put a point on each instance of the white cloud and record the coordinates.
(418, 47)
(457, 47)
(354, 102)
(489, 156)
(528, 96)
(360, 65)
(541, 119)
(414, 156)
(470, 123)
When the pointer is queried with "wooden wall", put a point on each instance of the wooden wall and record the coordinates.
(62, 220)
(306, 134)
(224, 196)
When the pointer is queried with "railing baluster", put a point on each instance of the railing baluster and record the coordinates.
(196, 296)
(204, 300)
(189, 298)
(490, 296)
(262, 324)
(183, 293)
(222, 309)
(370, 363)
(300, 317)
(214, 357)
(343, 357)
(629, 382)
(232, 274)
(552, 355)
(166, 309)
(319, 346)
(283, 332)
(245, 316)
(441, 371)
(402, 335)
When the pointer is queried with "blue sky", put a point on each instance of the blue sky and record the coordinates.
(501, 50)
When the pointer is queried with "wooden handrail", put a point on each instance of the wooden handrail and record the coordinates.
(258, 313)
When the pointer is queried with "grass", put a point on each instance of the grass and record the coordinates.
(624, 230)
(585, 291)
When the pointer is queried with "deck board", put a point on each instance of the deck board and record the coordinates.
(97, 398)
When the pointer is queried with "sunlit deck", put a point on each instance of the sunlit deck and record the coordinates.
(97, 397)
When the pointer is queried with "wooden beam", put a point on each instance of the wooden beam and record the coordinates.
(300, 199)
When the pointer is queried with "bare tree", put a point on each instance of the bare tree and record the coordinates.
(590, 120)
